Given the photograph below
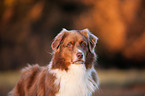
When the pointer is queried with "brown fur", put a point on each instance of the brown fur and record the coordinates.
(38, 81)
(62, 54)
(35, 81)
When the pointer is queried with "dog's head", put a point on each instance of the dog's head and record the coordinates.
(73, 47)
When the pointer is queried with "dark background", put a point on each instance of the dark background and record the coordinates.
(28, 27)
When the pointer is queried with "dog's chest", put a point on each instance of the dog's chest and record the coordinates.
(76, 82)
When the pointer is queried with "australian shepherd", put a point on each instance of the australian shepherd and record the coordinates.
(70, 73)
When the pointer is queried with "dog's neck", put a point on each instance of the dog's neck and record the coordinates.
(77, 81)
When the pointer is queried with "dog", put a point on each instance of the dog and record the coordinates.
(71, 70)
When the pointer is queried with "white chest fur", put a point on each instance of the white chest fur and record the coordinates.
(77, 81)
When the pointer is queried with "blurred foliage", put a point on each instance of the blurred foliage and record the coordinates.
(27, 28)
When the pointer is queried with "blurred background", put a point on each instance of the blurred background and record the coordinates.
(28, 27)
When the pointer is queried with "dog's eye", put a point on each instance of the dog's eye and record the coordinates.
(83, 44)
(70, 44)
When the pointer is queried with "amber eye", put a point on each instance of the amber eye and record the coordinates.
(70, 44)
(83, 44)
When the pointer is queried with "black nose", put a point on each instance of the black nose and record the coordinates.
(79, 55)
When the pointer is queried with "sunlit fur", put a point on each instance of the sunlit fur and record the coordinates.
(66, 74)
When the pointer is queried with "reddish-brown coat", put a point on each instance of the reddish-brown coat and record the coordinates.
(35, 81)
(38, 81)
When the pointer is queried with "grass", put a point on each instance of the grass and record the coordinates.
(112, 82)
(121, 77)
(121, 83)
(7, 81)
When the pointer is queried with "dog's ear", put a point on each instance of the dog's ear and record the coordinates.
(57, 40)
(91, 38)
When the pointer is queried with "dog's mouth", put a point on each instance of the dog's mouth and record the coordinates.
(78, 62)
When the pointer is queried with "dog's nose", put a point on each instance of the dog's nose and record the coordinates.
(79, 55)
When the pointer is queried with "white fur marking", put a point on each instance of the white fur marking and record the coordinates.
(77, 81)
(82, 54)
(76, 58)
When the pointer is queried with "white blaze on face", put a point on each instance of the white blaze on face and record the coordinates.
(75, 59)
(82, 54)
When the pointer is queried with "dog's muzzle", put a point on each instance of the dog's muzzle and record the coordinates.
(79, 60)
